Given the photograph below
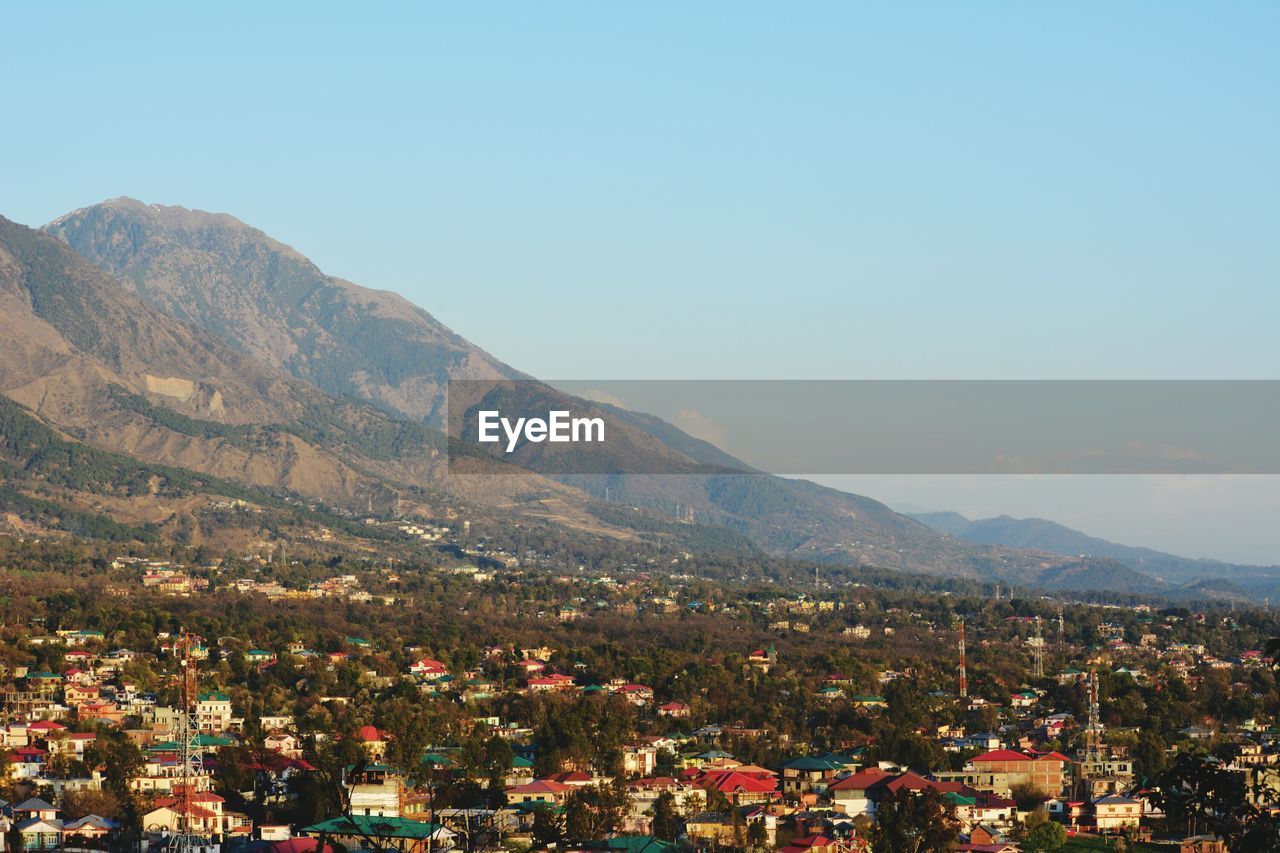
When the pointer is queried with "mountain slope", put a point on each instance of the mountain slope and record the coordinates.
(85, 355)
(270, 302)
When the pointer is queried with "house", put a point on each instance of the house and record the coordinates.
(808, 775)
(1116, 812)
(167, 819)
(553, 682)
(540, 791)
(375, 791)
(355, 832)
(374, 742)
(1023, 699)
(283, 743)
(35, 808)
(637, 694)
(858, 794)
(428, 669)
(764, 659)
(674, 709)
(741, 789)
(721, 829)
(815, 844)
(1006, 769)
(40, 833)
(213, 712)
(90, 828)
(639, 759)
(645, 792)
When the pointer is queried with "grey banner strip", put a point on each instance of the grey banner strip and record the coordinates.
(870, 427)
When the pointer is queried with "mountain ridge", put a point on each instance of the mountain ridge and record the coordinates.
(1047, 535)
(271, 302)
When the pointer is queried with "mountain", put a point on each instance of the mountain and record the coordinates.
(199, 342)
(1046, 535)
(84, 355)
(268, 301)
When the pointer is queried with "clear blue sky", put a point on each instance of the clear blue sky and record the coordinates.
(764, 190)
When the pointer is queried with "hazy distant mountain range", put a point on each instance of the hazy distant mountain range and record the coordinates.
(180, 354)
(1046, 535)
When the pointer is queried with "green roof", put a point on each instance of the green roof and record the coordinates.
(214, 696)
(374, 827)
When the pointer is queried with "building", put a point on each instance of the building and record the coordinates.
(1116, 812)
(375, 791)
(213, 712)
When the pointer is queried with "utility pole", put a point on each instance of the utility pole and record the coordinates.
(1037, 652)
(1093, 742)
(188, 748)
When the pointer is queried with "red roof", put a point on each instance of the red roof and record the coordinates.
(654, 782)
(370, 734)
(1001, 755)
(862, 780)
(299, 845)
(912, 782)
(732, 781)
(541, 786)
(44, 726)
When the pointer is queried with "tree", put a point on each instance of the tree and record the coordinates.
(1045, 838)
(548, 826)
(103, 803)
(757, 835)
(1027, 796)
(592, 813)
(666, 817)
(1150, 754)
(1200, 795)
(908, 822)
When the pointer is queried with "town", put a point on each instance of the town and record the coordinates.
(265, 702)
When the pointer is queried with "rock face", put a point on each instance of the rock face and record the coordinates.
(85, 355)
(273, 304)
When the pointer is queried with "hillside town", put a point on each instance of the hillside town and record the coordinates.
(979, 724)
